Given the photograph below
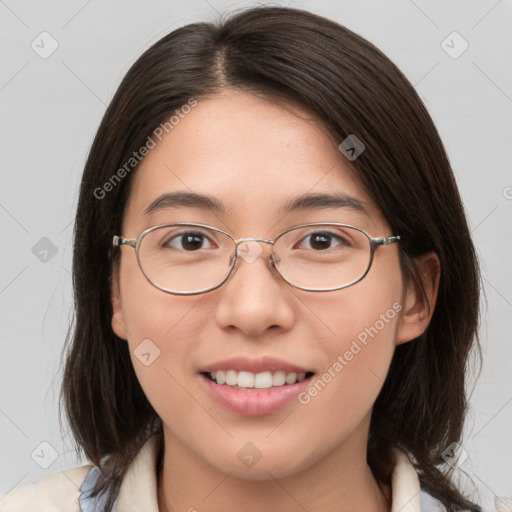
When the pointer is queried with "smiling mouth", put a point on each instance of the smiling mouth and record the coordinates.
(248, 380)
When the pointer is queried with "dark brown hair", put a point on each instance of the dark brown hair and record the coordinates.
(353, 88)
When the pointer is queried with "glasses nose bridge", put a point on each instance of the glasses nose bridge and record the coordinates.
(239, 241)
(249, 254)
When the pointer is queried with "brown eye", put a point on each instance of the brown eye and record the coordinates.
(189, 241)
(322, 240)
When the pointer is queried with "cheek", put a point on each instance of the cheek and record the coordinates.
(161, 344)
(357, 351)
(161, 339)
(362, 358)
(149, 312)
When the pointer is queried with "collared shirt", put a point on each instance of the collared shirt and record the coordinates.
(69, 491)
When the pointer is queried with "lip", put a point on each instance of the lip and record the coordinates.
(255, 365)
(254, 402)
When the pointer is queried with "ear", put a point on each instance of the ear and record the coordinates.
(118, 323)
(418, 307)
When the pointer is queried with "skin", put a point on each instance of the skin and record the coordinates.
(254, 155)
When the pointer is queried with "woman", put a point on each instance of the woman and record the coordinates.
(276, 289)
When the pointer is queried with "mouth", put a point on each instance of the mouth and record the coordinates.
(255, 386)
(240, 379)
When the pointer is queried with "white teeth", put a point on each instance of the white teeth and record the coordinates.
(245, 379)
(263, 380)
(231, 378)
(291, 378)
(278, 378)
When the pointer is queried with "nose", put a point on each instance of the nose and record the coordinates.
(255, 298)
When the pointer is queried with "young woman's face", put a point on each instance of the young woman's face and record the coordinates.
(255, 157)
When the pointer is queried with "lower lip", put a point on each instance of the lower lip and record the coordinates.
(252, 402)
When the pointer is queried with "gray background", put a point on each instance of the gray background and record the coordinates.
(52, 106)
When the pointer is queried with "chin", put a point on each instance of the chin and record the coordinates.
(276, 464)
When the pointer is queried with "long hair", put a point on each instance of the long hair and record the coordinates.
(353, 88)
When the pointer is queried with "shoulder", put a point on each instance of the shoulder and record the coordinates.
(56, 492)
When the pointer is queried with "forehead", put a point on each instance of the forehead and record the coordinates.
(252, 155)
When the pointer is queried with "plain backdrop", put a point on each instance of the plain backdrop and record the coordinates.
(52, 103)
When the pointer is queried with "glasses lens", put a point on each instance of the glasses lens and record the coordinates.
(185, 258)
(322, 257)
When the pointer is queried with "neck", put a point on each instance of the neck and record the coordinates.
(342, 481)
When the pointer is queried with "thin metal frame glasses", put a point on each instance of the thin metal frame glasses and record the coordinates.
(354, 241)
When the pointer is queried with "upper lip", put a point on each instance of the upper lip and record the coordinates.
(255, 365)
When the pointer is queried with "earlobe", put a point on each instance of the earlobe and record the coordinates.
(418, 305)
(118, 324)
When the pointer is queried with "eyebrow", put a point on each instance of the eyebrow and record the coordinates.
(304, 202)
(187, 199)
(320, 201)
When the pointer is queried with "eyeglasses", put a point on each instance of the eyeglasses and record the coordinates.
(188, 259)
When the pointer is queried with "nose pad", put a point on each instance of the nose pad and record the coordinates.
(249, 250)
